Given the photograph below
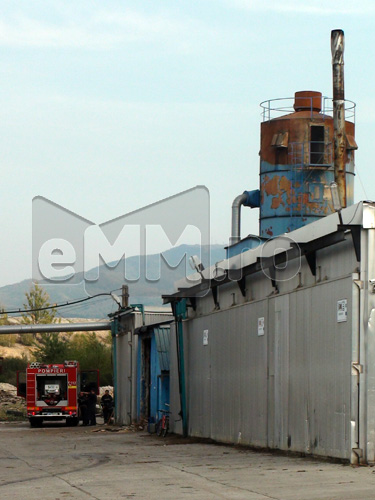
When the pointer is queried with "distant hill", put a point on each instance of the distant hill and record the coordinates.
(148, 278)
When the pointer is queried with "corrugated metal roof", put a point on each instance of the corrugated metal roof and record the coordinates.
(162, 338)
(362, 213)
(157, 309)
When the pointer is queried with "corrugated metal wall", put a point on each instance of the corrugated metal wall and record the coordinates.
(124, 353)
(308, 383)
(289, 388)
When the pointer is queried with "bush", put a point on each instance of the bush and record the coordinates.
(8, 340)
(27, 339)
(93, 354)
(10, 368)
(52, 349)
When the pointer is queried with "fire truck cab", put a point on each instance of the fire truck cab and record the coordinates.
(52, 390)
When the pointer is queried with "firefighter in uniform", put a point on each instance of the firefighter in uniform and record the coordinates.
(82, 403)
(107, 406)
(91, 407)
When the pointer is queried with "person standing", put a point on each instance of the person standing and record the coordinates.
(107, 406)
(82, 403)
(91, 407)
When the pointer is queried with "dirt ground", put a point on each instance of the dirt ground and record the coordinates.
(11, 407)
(56, 462)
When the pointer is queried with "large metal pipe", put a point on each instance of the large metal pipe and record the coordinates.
(57, 327)
(236, 218)
(337, 50)
(248, 199)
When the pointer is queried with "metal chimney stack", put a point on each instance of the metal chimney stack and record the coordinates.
(339, 140)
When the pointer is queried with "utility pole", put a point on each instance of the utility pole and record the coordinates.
(125, 296)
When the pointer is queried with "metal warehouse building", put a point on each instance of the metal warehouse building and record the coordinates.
(280, 352)
(275, 345)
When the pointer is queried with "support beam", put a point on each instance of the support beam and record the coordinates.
(214, 295)
(311, 260)
(193, 303)
(242, 285)
(355, 230)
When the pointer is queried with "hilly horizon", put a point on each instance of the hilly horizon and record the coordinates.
(147, 287)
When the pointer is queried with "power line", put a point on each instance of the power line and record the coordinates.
(77, 306)
(74, 308)
(57, 306)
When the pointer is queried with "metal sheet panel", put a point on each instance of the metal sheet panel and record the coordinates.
(175, 407)
(162, 338)
(279, 309)
(312, 375)
(124, 378)
(368, 348)
(228, 377)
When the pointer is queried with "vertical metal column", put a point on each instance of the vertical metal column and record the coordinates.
(125, 296)
(368, 359)
(180, 314)
(337, 49)
(114, 331)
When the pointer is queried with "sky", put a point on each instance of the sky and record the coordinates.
(108, 106)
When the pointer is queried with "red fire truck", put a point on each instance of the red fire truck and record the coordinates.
(51, 390)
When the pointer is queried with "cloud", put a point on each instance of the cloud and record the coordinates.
(100, 29)
(26, 32)
(313, 7)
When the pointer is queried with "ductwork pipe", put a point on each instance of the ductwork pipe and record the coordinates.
(339, 139)
(236, 218)
(57, 327)
(249, 199)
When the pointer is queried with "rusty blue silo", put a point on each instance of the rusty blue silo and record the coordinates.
(297, 161)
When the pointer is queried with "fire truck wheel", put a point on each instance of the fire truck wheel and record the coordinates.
(36, 422)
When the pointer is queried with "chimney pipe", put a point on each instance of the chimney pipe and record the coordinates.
(337, 50)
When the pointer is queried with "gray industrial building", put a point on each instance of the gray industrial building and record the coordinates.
(282, 354)
(274, 347)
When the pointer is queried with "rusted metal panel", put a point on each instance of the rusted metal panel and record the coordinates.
(350, 142)
(280, 140)
(308, 100)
